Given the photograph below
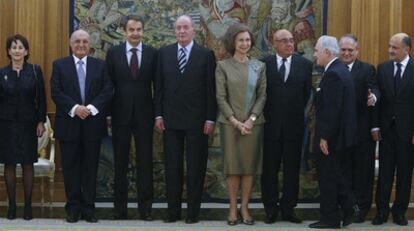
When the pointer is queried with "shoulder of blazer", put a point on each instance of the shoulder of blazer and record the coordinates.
(268, 59)
(300, 59)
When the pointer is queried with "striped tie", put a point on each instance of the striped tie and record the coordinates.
(182, 60)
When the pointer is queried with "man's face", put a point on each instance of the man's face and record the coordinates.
(134, 32)
(348, 50)
(184, 31)
(283, 42)
(397, 50)
(80, 44)
(320, 55)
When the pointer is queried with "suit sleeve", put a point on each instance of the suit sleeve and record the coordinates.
(211, 87)
(103, 98)
(375, 111)
(41, 95)
(332, 95)
(61, 100)
(260, 93)
(221, 93)
(159, 86)
(307, 88)
(372, 83)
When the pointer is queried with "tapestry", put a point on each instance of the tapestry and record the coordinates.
(211, 19)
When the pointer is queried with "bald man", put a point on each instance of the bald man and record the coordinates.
(289, 79)
(396, 133)
(185, 111)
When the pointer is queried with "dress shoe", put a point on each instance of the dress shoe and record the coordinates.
(27, 213)
(247, 221)
(360, 219)
(72, 217)
(323, 225)
(191, 220)
(350, 216)
(400, 220)
(270, 218)
(120, 215)
(379, 219)
(11, 212)
(89, 217)
(232, 222)
(171, 219)
(292, 218)
(146, 217)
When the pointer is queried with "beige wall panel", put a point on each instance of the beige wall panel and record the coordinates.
(6, 27)
(339, 17)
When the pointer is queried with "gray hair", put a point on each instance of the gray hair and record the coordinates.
(330, 43)
(75, 34)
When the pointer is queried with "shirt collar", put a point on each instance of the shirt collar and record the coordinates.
(288, 59)
(330, 62)
(188, 47)
(404, 62)
(77, 59)
(129, 46)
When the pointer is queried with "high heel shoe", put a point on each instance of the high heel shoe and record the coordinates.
(27, 213)
(11, 212)
(246, 221)
(232, 222)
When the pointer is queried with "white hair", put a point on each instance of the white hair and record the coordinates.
(330, 43)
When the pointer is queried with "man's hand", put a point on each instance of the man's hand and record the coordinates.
(208, 128)
(159, 125)
(412, 140)
(324, 147)
(82, 112)
(371, 98)
(40, 129)
(376, 135)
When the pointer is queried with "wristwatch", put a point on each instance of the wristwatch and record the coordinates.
(253, 117)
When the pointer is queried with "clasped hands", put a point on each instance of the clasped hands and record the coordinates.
(82, 112)
(245, 127)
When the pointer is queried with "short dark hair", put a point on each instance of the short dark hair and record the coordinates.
(407, 41)
(133, 17)
(231, 34)
(15, 38)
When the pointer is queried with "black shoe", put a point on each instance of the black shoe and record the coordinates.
(120, 216)
(350, 216)
(400, 220)
(379, 219)
(27, 213)
(146, 217)
(171, 219)
(72, 217)
(360, 219)
(323, 225)
(89, 217)
(270, 218)
(246, 221)
(232, 222)
(11, 212)
(191, 220)
(292, 218)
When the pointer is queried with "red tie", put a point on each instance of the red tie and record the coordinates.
(134, 63)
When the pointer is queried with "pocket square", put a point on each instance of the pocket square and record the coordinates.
(318, 89)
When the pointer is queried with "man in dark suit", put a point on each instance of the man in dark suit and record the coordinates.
(396, 121)
(81, 90)
(132, 66)
(335, 134)
(185, 111)
(361, 161)
(289, 79)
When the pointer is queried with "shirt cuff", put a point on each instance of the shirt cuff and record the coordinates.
(375, 99)
(375, 129)
(72, 111)
(158, 117)
(93, 109)
(210, 122)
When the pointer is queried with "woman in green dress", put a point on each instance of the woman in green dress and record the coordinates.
(241, 95)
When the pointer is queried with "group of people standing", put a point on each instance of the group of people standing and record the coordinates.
(183, 93)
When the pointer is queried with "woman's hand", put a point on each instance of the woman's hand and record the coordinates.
(40, 129)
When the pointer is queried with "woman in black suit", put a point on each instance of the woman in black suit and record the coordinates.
(22, 114)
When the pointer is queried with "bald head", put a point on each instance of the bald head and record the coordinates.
(184, 30)
(283, 43)
(80, 43)
(399, 47)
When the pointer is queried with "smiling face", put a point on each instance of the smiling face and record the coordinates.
(242, 43)
(17, 51)
(348, 50)
(80, 43)
(283, 42)
(184, 31)
(133, 32)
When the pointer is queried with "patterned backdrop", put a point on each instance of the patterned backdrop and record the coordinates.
(211, 18)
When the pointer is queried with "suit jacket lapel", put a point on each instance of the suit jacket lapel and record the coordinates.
(408, 72)
(389, 76)
(74, 76)
(88, 80)
(293, 69)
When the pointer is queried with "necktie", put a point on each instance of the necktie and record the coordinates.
(81, 80)
(134, 63)
(282, 70)
(182, 60)
(397, 78)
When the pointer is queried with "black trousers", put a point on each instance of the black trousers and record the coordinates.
(144, 167)
(395, 158)
(79, 160)
(196, 149)
(275, 153)
(363, 171)
(334, 185)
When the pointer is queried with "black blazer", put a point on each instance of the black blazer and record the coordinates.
(335, 109)
(132, 95)
(399, 106)
(22, 98)
(66, 94)
(284, 110)
(185, 101)
(364, 78)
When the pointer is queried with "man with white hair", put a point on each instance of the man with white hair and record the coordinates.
(335, 134)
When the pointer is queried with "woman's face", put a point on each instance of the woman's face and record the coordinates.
(242, 43)
(17, 51)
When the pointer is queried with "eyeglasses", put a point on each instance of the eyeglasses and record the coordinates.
(285, 41)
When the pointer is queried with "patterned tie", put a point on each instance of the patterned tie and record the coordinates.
(282, 70)
(81, 79)
(134, 63)
(182, 60)
(397, 78)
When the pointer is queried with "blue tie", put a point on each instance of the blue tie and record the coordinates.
(81, 79)
(182, 60)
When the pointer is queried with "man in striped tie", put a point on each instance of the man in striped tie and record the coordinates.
(185, 111)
